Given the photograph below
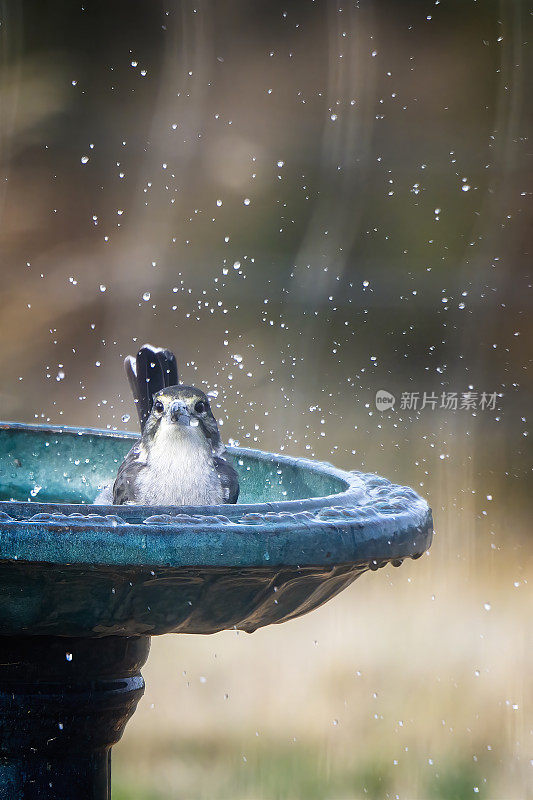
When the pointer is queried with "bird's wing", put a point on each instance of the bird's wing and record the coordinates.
(124, 488)
(153, 369)
(228, 478)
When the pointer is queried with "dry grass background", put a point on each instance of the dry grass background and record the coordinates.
(401, 685)
(415, 682)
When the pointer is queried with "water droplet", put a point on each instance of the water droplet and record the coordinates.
(146, 296)
(84, 159)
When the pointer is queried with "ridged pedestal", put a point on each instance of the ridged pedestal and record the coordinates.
(63, 703)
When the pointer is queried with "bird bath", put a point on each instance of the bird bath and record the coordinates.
(84, 587)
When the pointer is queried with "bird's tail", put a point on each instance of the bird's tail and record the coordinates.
(153, 369)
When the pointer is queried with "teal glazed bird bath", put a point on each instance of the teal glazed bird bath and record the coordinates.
(84, 587)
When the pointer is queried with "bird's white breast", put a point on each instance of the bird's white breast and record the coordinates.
(179, 470)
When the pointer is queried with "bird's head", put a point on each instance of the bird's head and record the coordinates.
(182, 411)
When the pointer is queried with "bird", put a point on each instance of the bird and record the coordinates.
(180, 459)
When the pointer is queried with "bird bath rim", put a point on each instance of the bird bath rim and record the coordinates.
(369, 519)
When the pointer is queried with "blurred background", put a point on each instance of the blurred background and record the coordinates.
(309, 202)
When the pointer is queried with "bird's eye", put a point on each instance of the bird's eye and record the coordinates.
(200, 407)
(159, 407)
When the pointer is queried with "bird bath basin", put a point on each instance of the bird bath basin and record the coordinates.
(84, 587)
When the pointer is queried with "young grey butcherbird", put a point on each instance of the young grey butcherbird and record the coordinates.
(180, 459)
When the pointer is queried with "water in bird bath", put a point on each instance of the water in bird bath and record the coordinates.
(46, 466)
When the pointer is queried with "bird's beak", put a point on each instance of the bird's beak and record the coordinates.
(179, 413)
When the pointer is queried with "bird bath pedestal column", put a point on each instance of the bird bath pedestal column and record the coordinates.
(63, 704)
(83, 587)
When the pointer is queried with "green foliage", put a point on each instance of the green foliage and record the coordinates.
(458, 781)
(300, 773)
(123, 792)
